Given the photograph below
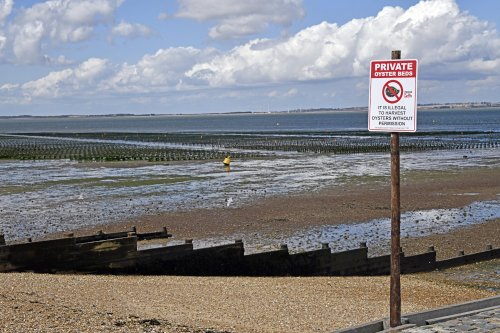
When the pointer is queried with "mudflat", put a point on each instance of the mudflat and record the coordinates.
(347, 203)
(88, 303)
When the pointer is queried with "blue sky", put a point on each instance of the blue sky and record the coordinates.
(194, 56)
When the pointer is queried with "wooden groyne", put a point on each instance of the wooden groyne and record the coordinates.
(118, 253)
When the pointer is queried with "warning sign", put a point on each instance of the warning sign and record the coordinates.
(393, 96)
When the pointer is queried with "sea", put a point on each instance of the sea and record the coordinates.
(429, 120)
(42, 197)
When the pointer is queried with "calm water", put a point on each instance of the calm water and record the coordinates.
(455, 120)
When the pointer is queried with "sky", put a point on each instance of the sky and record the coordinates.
(78, 57)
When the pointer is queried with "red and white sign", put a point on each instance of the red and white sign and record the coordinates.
(393, 96)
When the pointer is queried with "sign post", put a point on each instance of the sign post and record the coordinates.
(393, 108)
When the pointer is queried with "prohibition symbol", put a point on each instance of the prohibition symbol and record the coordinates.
(392, 91)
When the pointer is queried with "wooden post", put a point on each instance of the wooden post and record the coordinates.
(395, 297)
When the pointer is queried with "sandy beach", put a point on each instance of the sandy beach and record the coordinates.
(87, 303)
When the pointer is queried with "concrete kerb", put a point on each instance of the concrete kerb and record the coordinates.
(427, 317)
(371, 327)
(455, 316)
(420, 318)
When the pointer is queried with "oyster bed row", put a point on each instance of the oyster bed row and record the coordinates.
(201, 146)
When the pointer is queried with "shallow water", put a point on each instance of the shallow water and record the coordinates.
(43, 197)
(376, 233)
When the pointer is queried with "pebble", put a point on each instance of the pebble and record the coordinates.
(35, 303)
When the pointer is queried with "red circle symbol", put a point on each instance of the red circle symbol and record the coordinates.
(392, 91)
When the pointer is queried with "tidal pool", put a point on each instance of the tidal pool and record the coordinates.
(376, 233)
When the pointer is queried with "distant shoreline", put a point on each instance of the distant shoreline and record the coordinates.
(425, 107)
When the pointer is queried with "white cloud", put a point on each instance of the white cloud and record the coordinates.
(87, 12)
(161, 71)
(435, 32)
(451, 46)
(163, 16)
(48, 86)
(9, 86)
(235, 19)
(292, 92)
(288, 93)
(27, 44)
(92, 70)
(130, 30)
(45, 24)
(273, 93)
(67, 82)
(60, 60)
(5, 9)
(3, 41)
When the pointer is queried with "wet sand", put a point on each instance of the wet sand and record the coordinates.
(349, 203)
(87, 303)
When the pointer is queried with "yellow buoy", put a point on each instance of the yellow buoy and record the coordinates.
(227, 160)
